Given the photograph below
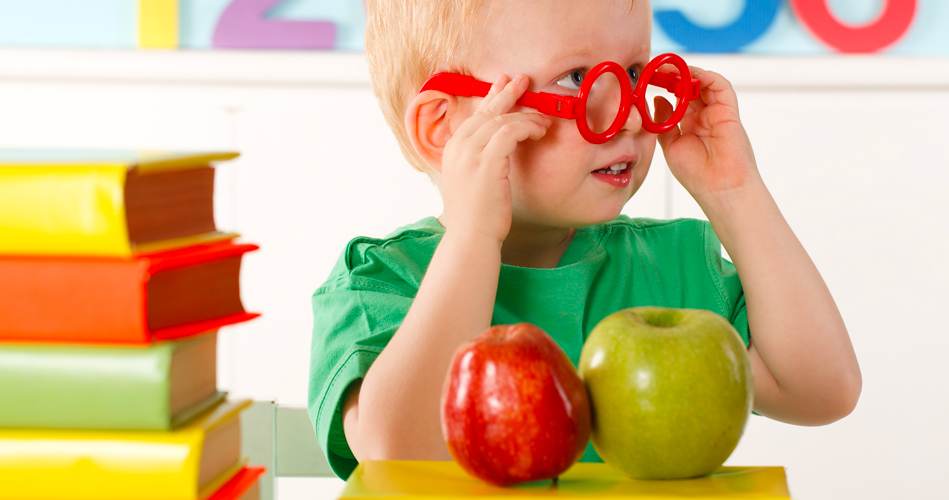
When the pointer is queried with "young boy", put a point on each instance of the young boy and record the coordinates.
(531, 229)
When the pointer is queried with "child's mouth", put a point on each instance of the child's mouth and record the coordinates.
(615, 169)
(617, 175)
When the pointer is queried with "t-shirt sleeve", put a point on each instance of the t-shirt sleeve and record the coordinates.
(725, 279)
(354, 317)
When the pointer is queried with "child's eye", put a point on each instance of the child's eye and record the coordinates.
(572, 80)
(633, 73)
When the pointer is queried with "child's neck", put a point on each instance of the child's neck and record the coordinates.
(537, 249)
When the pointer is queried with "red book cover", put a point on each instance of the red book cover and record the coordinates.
(138, 300)
(240, 487)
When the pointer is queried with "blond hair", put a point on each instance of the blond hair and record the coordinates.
(408, 41)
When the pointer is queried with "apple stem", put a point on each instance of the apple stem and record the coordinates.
(556, 480)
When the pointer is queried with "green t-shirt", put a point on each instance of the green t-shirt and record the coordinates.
(607, 267)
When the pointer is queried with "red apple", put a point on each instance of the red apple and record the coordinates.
(513, 406)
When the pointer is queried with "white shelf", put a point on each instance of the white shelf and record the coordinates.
(330, 68)
(190, 67)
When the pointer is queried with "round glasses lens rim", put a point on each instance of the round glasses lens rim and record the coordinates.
(681, 104)
(622, 113)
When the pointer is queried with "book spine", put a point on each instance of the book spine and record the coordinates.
(238, 484)
(69, 300)
(99, 465)
(63, 210)
(52, 464)
(85, 387)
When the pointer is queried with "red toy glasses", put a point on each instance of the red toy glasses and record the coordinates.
(682, 85)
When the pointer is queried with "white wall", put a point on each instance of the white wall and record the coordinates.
(851, 148)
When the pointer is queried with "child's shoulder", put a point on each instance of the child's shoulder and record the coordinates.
(411, 238)
(400, 257)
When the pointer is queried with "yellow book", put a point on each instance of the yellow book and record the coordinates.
(106, 203)
(584, 481)
(186, 464)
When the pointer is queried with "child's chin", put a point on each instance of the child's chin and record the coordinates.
(594, 219)
(569, 221)
(604, 219)
(605, 215)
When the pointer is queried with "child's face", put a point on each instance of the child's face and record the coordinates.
(552, 179)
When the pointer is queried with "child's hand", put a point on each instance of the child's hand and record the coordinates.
(475, 165)
(805, 369)
(708, 152)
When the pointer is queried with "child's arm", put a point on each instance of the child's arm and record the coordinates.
(805, 369)
(395, 412)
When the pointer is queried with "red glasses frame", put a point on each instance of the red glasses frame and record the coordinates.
(682, 85)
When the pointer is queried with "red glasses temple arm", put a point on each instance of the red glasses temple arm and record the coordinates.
(673, 83)
(561, 106)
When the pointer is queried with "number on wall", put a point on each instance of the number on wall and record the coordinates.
(244, 25)
(158, 24)
(892, 23)
(755, 19)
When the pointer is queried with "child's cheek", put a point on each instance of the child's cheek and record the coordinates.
(561, 145)
(646, 145)
(557, 133)
(562, 132)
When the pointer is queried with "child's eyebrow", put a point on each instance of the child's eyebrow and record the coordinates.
(574, 53)
(585, 52)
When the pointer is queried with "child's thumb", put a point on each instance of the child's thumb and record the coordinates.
(663, 111)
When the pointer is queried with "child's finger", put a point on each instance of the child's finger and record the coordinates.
(503, 101)
(486, 132)
(470, 125)
(503, 143)
(500, 99)
(662, 109)
(663, 112)
(715, 88)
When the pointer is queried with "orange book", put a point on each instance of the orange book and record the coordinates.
(160, 296)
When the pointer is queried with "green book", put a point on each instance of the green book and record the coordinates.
(155, 387)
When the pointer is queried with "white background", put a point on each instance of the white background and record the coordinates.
(853, 150)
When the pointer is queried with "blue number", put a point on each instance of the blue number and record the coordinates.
(755, 19)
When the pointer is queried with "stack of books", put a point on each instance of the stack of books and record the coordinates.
(114, 282)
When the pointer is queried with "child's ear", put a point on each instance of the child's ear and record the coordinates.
(428, 122)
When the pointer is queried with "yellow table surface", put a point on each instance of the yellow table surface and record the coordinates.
(437, 480)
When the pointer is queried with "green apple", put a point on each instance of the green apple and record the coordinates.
(670, 391)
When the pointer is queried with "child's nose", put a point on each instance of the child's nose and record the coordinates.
(634, 122)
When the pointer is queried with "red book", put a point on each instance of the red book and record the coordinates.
(139, 300)
(243, 486)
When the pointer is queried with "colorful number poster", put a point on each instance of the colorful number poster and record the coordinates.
(775, 27)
